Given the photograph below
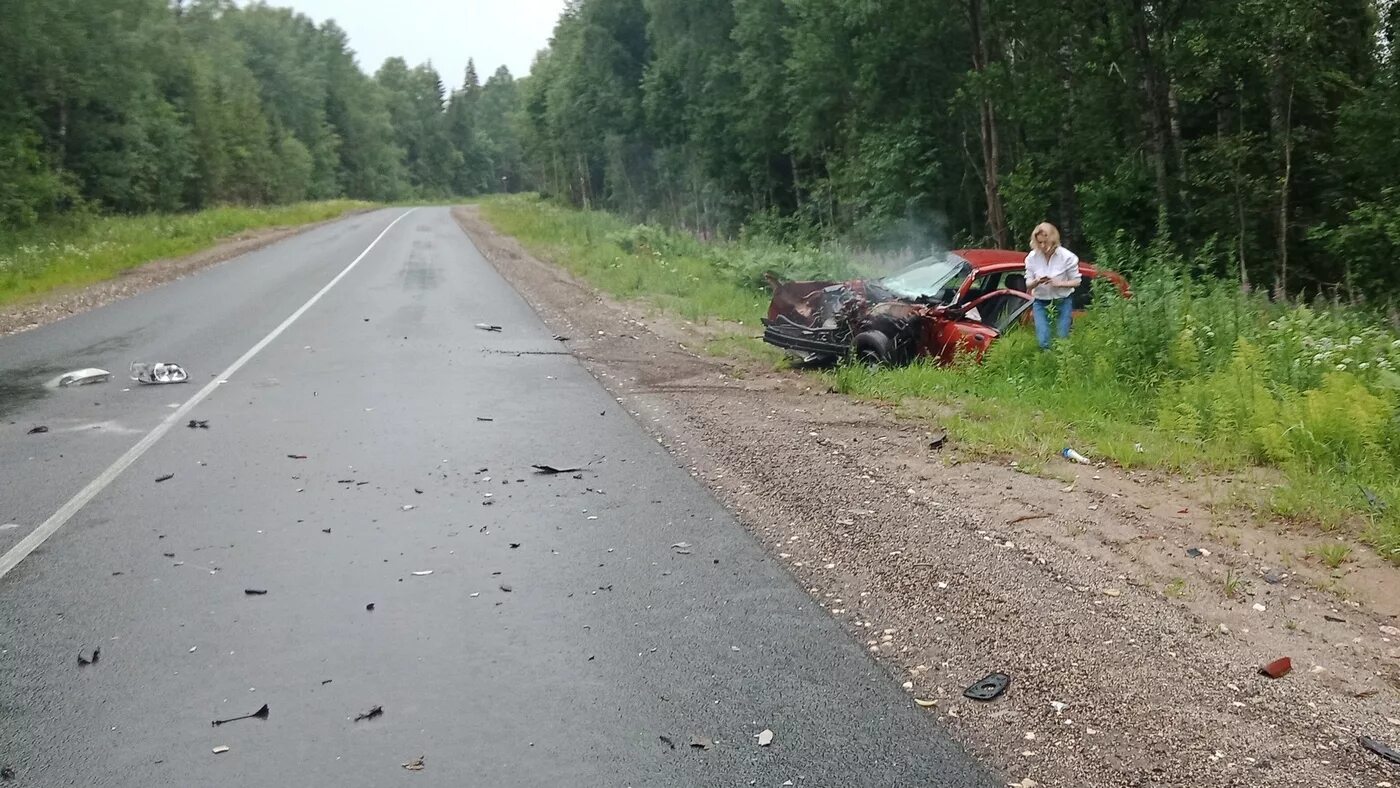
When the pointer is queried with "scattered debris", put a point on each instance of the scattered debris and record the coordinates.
(926, 703)
(1026, 517)
(377, 711)
(39, 430)
(326, 681)
(84, 377)
(1374, 500)
(1258, 608)
(1391, 631)
(423, 573)
(255, 591)
(1380, 749)
(765, 738)
(221, 749)
(1197, 552)
(988, 688)
(483, 418)
(325, 530)
(1333, 619)
(167, 477)
(550, 470)
(161, 372)
(296, 456)
(1074, 456)
(701, 742)
(1058, 706)
(260, 714)
(487, 327)
(370, 607)
(7, 773)
(415, 765)
(198, 424)
(1277, 669)
(514, 545)
(1112, 592)
(681, 548)
(82, 661)
(936, 440)
(666, 740)
(505, 588)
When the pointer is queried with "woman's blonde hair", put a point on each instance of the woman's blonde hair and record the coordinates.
(1051, 233)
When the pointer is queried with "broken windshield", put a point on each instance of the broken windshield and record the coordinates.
(931, 279)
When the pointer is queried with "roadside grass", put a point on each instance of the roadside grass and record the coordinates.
(1189, 376)
(79, 250)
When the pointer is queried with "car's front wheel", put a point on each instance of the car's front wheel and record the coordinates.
(874, 348)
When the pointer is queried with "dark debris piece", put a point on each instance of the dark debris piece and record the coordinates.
(7, 773)
(167, 477)
(370, 606)
(550, 470)
(255, 591)
(296, 456)
(1334, 619)
(377, 711)
(514, 545)
(988, 688)
(83, 661)
(483, 418)
(260, 714)
(505, 588)
(666, 740)
(39, 430)
(198, 424)
(1380, 749)
(325, 530)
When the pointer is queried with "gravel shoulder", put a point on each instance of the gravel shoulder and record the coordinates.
(1132, 663)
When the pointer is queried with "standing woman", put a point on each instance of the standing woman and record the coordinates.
(1052, 274)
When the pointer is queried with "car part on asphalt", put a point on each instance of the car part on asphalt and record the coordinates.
(161, 372)
(40, 430)
(255, 591)
(550, 470)
(488, 327)
(167, 477)
(989, 688)
(377, 711)
(84, 377)
(82, 661)
(198, 424)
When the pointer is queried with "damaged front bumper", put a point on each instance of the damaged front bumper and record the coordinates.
(811, 344)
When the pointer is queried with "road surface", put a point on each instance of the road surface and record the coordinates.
(362, 433)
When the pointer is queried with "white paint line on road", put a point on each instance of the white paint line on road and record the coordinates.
(39, 535)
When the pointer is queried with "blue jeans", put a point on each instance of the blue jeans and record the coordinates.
(1063, 314)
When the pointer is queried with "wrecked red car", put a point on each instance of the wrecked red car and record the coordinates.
(956, 302)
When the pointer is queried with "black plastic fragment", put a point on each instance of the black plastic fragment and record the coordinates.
(40, 430)
(167, 477)
(377, 711)
(988, 688)
(1380, 749)
(550, 470)
(260, 714)
(255, 591)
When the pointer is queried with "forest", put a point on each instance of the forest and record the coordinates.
(136, 106)
(1250, 139)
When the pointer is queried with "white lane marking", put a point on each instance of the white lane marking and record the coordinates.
(31, 542)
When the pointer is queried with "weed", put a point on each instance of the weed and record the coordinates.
(1332, 555)
(1234, 584)
(1176, 588)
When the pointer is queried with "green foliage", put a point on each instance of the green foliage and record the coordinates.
(130, 106)
(79, 249)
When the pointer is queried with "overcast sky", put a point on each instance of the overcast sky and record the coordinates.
(447, 32)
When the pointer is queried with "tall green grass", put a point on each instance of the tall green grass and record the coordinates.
(1190, 375)
(80, 249)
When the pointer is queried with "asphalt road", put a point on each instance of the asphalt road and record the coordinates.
(559, 636)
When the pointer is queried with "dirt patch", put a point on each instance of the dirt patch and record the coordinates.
(58, 304)
(1132, 662)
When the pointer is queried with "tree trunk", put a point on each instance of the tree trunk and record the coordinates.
(1154, 113)
(1281, 124)
(991, 147)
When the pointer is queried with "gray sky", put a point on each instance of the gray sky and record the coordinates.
(447, 32)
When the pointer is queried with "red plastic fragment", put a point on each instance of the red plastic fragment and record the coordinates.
(1278, 668)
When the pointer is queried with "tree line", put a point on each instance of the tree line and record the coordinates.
(1259, 139)
(153, 105)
